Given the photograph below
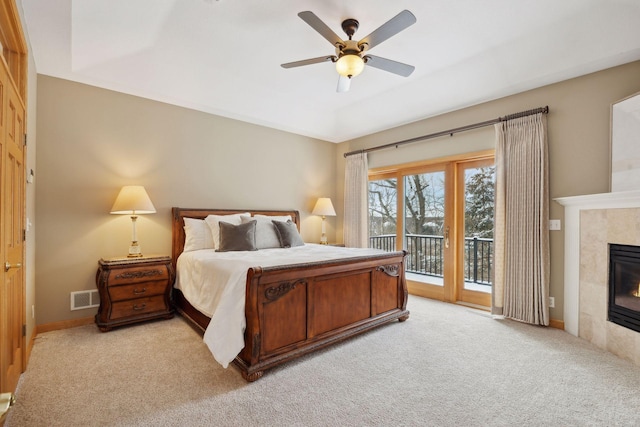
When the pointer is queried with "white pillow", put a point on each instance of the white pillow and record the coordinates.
(197, 235)
(283, 218)
(213, 221)
(266, 236)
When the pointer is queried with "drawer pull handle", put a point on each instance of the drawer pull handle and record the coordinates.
(139, 307)
(137, 291)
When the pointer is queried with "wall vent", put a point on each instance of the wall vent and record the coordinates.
(84, 299)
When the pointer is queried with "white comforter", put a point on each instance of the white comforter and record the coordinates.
(214, 283)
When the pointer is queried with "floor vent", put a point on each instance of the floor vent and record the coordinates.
(84, 299)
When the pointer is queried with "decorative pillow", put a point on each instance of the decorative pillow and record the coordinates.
(288, 234)
(213, 220)
(237, 237)
(197, 235)
(266, 235)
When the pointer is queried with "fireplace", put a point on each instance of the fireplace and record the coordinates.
(624, 286)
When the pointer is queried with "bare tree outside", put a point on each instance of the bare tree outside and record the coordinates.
(424, 204)
(383, 202)
(424, 222)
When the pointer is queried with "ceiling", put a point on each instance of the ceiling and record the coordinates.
(223, 56)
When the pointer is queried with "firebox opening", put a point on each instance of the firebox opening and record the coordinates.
(624, 286)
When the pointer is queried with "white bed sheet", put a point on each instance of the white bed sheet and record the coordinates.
(214, 283)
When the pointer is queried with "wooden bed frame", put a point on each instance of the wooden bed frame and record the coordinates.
(294, 310)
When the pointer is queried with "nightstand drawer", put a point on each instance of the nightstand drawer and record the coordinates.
(133, 290)
(138, 306)
(139, 290)
(127, 276)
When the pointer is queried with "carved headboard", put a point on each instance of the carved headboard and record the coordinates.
(177, 225)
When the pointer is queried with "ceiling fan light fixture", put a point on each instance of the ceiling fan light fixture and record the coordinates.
(350, 65)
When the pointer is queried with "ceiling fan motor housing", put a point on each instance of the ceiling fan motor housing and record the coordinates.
(350, 47)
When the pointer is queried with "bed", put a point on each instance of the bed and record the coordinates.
(292, 310)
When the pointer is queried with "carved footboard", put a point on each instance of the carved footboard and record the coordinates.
(295, 310)
(292, 311)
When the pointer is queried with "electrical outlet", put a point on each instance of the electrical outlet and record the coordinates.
(552, 302)
(554, 224)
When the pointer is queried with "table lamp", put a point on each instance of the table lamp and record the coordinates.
(324, 207)
(133, 200)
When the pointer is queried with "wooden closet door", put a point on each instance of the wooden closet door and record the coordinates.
(12, 183)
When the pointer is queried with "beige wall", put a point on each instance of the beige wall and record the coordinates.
(578, 142)
(93, 141)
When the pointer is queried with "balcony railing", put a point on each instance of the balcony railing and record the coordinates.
(425, 255)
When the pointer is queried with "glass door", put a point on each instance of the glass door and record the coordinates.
(442, 215)
(426, 230)
(383, 217)
(476, 210)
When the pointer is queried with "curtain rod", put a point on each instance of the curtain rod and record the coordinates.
(450, 132)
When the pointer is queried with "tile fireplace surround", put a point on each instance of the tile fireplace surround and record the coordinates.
(591, 223)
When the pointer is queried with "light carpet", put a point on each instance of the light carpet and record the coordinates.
(446, 365)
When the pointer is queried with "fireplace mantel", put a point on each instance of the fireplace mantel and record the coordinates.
(572, 207)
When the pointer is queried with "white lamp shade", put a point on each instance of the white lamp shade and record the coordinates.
(324, 207)
(133, 200)
(350, 65)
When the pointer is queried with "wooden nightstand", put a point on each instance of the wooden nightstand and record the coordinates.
(133, 290)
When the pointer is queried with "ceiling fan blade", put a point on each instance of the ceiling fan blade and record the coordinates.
(394, 67)
(322, 28)
(309, 61)
(344, 83)
(390, 28)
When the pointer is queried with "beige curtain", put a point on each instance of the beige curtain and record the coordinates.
(356, 201)
(521, 281)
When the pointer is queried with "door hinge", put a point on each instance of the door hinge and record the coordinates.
(24, 330)
(24, 234)
(25, 139)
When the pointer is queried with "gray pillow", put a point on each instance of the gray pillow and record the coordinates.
(288, 234)
(237, 237)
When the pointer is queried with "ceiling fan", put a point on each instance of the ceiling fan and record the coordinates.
(350, 57)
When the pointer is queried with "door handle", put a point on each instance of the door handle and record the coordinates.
(6, 402)
(8, 265)
(446, 237)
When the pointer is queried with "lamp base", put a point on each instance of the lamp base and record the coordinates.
(134, 250)
(323, 236)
